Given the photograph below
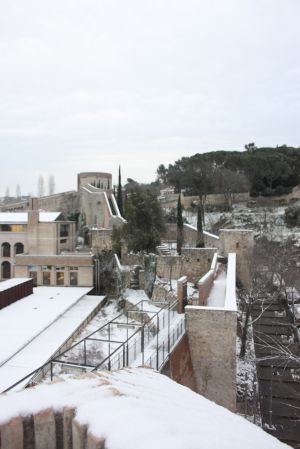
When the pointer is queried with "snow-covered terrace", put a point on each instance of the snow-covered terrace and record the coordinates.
(124, 409)
(34, 328)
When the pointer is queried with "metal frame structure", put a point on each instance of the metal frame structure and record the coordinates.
(155, 333)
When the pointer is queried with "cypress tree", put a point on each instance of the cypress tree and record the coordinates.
(200, 237)
(119, 194)
(179, 226)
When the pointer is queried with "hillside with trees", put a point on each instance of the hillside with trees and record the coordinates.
(262, 171)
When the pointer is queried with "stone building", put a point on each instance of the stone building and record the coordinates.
(93, 205)
(41, 245)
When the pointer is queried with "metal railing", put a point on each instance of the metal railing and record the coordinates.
(146, 330)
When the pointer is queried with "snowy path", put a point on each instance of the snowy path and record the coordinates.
(216, 297)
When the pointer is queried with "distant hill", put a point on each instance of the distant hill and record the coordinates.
(263, 171)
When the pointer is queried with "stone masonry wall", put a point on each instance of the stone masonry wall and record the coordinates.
(193, 263)
(241, 242)
(212, 340)
(48, 429)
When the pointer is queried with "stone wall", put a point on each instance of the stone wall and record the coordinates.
(48, 429)
(84, 264)
(211, 200)
(179, 366)
(190, 236)
(100, 240)
(241, 242)
(212, 340)
(65, 202)
(193, 263)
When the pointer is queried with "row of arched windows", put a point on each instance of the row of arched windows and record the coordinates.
(6, 249)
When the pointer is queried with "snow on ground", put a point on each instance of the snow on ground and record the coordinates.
(262, 219)
(97, 350)
(23, 320)
(144, 409)
(192, 292)
(246, 368)
(44, 346)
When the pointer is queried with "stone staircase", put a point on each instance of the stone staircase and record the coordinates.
(163, 249)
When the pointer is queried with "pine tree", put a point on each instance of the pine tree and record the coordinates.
(200, 236)
(119, 194)
(179, 226)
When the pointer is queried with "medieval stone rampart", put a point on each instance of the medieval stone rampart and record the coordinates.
(241, 242)
(193, 263)
(211, 333)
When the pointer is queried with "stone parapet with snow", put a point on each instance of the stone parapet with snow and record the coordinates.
(124, 409)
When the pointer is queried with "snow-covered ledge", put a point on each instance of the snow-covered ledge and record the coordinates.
(123, 409)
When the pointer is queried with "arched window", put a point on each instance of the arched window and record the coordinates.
(5, 270)
(19, 248)
(5, 249)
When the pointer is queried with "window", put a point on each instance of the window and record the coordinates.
(46, 274)
(33, 274)
(19, 248)
(64, 230)
(5, 270)
(60, 275)
(73, 278)
(12, 228)
(5, 249)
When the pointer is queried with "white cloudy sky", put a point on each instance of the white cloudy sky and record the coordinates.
(88, 84)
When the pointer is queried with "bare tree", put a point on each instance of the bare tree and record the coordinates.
(273, 274)
(18, 192)
(7, 194)
(229, 183)
(40, 186)
(51, 185)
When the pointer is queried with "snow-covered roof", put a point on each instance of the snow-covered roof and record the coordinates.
(22, 217)
(12, 283)
(23, 320)
(141, 408)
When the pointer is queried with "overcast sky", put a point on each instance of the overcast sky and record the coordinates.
(86, 85)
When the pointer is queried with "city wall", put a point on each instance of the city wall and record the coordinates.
(211, 333)
(193, 263)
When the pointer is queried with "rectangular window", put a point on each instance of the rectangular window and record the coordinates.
(73, 278)
(60, 278)
(33, 276)
(12, 228)
(64, 230)
(46, 277)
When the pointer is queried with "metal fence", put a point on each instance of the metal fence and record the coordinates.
(147, 330)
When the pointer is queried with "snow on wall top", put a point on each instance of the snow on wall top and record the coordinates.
(144, 409)
(12, 283)
(22, 217)
(230, 296)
